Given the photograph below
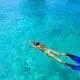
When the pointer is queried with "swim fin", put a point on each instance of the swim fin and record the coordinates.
(74, 67)
(73, 57)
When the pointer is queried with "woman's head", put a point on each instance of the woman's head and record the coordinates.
(35, 43)
(38, 45)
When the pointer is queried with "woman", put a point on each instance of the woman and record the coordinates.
(54, 54)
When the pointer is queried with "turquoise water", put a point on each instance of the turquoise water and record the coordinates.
(55, 23)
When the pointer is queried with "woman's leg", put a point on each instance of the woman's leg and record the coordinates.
(55, 57)
(74, 67)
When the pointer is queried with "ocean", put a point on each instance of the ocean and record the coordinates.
(55, 23)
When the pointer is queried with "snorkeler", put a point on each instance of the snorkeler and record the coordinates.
(55, 55)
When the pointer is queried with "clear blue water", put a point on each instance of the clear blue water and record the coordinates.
(55, 23)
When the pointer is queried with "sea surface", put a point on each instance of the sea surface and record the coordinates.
(55, 23)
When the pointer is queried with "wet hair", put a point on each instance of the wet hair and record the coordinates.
(36, 43)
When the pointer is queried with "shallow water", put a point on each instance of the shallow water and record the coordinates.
(55, 23)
